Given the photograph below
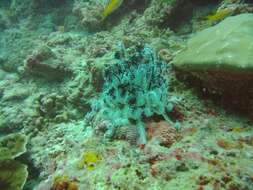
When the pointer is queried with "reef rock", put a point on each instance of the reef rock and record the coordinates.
(221, 56)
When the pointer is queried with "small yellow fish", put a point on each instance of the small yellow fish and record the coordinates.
(219, 15)
(89, 160)
(110, 8)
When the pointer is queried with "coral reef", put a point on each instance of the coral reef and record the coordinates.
(20, 8)
(93, 15)
(223, 61)
(59, 69)
(164, 133)
(99, 44)
(230, 30)
(51, 148)
(55, 71)
(13, 145)
(13, 174)
(63, 183)
(135, 88)
(89, 160)
(89, 13)
(51, 106)
(110, 8)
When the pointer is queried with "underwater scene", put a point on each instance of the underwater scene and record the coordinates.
(126, 95)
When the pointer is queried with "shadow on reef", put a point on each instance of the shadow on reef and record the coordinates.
(206, 2)
(226, 73)
(237, 102)
(33, 172)
(5, 3)
(180, 14)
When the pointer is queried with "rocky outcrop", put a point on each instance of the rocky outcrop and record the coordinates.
(220, 58)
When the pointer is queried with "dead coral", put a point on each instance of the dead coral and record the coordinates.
(31, 7)
(163, 132)
(89, 13)
(80, 91)
(43, 62)
(88, 82)
(64, 183)
(99, 44)
(51, 106)
(48, 71)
